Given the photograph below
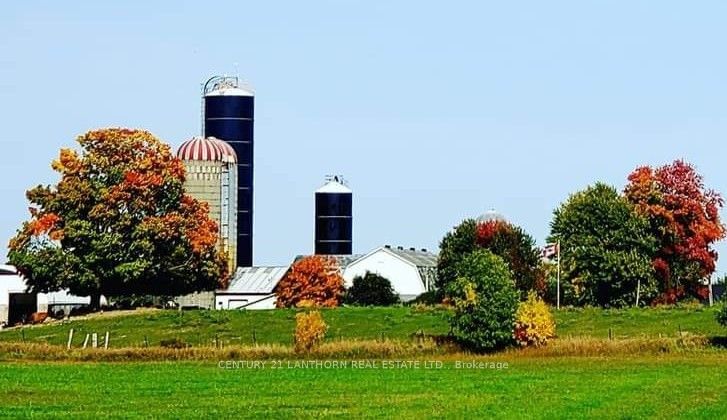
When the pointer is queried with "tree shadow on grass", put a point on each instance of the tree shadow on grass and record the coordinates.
(718, 341)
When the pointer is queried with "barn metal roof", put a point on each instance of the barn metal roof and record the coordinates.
(419, 258)
(342, 261)
(256, 280)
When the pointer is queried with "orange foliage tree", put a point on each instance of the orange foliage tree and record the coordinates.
(684, 217)
(118, 223)
(312, 281)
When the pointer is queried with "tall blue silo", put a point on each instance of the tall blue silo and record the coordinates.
(229, 109)
(334, 218)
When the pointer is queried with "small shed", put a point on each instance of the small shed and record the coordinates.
(251, 288)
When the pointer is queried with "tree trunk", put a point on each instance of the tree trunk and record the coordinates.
(95, 301)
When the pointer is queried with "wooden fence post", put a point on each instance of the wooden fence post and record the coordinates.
(85, 342)
(94, 340)
(106, 341)
(70, 339)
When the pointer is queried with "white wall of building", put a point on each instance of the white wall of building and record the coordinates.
(10, 284)
(403, 275)
(15, 283)
(238, 301)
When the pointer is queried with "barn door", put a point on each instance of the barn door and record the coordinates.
(22, 306)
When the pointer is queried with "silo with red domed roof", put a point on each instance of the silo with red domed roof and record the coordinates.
(211, 176)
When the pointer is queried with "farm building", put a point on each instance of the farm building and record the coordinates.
(410, 271)
(17, 305)
(251, 288)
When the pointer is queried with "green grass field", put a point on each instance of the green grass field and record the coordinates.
(276, 326)
(662, 387)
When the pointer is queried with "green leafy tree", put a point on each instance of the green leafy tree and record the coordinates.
(455, 246)
(485, 301)
(371, 290)
(606, 249)
(118, 223)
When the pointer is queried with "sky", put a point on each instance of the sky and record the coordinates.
(433, 111)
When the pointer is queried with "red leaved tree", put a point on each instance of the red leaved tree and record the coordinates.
(518, 250)
(684, 216)
(312, 281)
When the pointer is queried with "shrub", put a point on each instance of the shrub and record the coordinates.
(722, 315)
(314, 278)
(310, 330)
(371, 290)
(430, 298)
(485, 301)
(534, 323)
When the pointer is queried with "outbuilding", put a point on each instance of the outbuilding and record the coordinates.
(251, 288)
(17, 304)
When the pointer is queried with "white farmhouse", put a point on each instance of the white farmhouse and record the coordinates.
(410, 271)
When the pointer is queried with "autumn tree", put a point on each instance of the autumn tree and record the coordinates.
(684, 217)
(118, 223)
(519, 251)
(311, 281)
(606, 249)
(503, 239)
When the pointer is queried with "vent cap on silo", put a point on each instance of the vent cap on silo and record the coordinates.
(226, 86)
(335, 184)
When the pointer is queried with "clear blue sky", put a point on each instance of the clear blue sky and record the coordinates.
(433, 111)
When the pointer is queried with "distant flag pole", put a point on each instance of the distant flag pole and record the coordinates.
(558, 284)
(549, 252)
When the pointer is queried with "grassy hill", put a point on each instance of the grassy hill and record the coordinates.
(133, 328)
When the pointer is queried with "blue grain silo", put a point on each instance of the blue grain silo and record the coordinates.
(229, 109)
(334, 218)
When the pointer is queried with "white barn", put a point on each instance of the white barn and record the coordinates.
(410, 271)
(16, 304)
(251, 288)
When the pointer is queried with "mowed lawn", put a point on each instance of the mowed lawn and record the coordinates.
(663, 387)
(276, 326)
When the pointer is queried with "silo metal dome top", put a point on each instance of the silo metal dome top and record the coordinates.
(228, 153)
(334, 185)
(207, 149)
(226, 86)
(491, 215)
